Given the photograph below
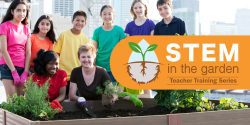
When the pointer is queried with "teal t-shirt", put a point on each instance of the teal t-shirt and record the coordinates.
(106, 41)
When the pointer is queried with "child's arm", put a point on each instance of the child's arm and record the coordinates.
(5, 53)
(27, 55)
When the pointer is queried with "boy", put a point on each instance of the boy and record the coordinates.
(170, 25)
(68, 43)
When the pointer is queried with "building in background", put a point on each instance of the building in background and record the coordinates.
(65, 7)
(220, 28)
(242, 21)
(3, 8)
(92, 8)
(188, 10)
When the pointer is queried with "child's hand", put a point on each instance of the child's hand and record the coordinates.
(16, 77)
(24, 77)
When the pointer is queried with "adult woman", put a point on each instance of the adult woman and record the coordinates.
(86, 78)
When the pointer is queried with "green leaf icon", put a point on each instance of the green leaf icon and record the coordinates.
(152, 47)
(135, 47)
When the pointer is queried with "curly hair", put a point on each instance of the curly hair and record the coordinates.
(43, 58)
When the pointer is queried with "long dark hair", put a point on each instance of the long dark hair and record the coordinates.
(8, 16)
(51, 34)
(43, 58)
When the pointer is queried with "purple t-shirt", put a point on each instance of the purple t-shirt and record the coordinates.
(145, 29)
(17, 37)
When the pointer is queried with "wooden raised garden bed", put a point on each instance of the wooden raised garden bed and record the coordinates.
(236, 117)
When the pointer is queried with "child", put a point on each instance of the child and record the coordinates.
(15, 47)
(68, 43)
(86, 78)
(106, 37)
(141, 25)
(46, 69)
(170, 25)
(43, 37)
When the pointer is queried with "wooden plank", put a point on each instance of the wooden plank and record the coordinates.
(13, 119)
(139, 120)
(2, 117)
(236, 117)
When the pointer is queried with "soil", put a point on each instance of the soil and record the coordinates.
(158, 110)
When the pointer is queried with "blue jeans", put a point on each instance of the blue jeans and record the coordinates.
(5, 72)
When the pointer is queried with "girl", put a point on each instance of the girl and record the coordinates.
(106, 37)
(43, 37)
(86, 78)
(15, 47)
(141, 25)
(46, 69)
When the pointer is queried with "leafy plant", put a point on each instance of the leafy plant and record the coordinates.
(109, 89)
(114, 90)
(205, 105)
(136, 48)
(34, 103)
(230, 104)
(175, 100)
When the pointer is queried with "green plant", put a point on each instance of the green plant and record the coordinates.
(34, 103)
(230, 104)
(205, 105)
(109, 88)
(114, 90)
(175, 100)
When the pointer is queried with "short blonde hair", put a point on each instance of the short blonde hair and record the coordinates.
(86, 48)
(132, 6)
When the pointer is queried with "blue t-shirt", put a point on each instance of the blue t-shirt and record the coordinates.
(175, 26)
(145, 29)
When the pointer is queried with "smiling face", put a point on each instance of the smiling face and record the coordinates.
(19, 13)
(78, 23)
(107, 15)
(52, 67)
(87, 59)
(44, 26)
(165, 10)
(139, 9)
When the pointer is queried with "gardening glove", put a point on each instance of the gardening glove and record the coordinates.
(137, 102)
(55, 104)
(16, 77)
(82, 104)
(23, 77)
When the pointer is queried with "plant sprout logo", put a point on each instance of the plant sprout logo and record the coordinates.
(143, 65)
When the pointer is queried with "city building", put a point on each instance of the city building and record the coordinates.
(220, 28)
(188, 11)
(242, 21)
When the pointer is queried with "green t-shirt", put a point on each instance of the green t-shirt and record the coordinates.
(106, 41)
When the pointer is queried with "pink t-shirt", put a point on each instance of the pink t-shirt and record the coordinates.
(16, 36)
